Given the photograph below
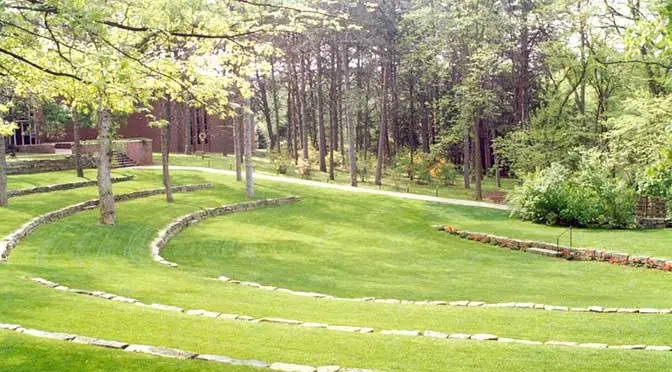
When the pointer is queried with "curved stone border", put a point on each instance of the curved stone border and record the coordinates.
(183, 222)
(12, 240)
(552, 250)
(343, 328)
(165, 352)
(462, 303)
(63, 186)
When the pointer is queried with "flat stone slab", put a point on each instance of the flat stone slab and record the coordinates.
(98, 342)
(329, 369)
(45, 282)
(205, 313)
(628, 347)
(161, 351)
(484, 337)
(395, 332)
(124, 299)
(344, 329)
(167, 308)
(279, 321)
(217, 358)
(561, 343)
(594, 346)
(435, 334)
(658, 348)
(458, 303)
(544, 252)
(314, 325)
(44, 334)
(459, 336)
(527, 342)
(11, 327)
(228, 316)
(286, 367)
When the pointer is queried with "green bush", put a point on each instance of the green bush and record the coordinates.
(589, 196)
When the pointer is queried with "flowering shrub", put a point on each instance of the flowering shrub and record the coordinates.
(279, 162)
(304, 168)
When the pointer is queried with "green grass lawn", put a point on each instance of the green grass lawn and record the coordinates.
(340, 243)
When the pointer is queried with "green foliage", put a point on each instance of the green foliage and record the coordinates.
(279, 162)
(588, 196)
(304, 168)
(262, 141)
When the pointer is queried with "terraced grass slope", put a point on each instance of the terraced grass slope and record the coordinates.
(333, 242)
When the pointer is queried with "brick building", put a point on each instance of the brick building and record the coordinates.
(193, 129)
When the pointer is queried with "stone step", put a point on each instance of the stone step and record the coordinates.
(544, 252)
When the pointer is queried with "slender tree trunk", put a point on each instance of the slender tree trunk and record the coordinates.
(276, 106)
(107, 207)
(189, 116)
(382, 139)
(77, 144)
(302, 111)
(237, 122)
(478, 166)
(249, 166)
(350, 123)
(290, 120)
(3, 174)
(467, 158)
(320, 113)
(425, 123)
(266, 110)
(333, 115)
(165, 150)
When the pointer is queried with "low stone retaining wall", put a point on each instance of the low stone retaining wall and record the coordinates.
(165, 352)
(63, 186)
(49, 165)
(12, 240)
(45, 148)
(343, 328)
(181, 223)
(460, 303)
(548, 249)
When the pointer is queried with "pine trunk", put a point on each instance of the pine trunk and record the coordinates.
(348, 119)
(467, 158)
(107, 207)
(266, 110)
(3, 174)
(249, 166)
(77, 145)
(320, 119)
(236, 146)
(165, 151)
(478, 166)
(382, 139)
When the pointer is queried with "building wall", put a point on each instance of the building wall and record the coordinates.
(219, 135)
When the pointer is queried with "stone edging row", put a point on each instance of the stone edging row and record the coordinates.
(183, 222)
(462, 303)
(552, 250)
(172, 353)
(342, 328)
(10, 241)
(63, 186)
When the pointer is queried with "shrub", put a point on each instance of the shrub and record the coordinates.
(444, 170)
(588, 196)
(304, 168)
(279, 162)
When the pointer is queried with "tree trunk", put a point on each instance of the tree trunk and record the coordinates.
(333, 119)
(236, 145)
(350, 123)
(276, 107)
(290, 120)
(266, 110)
(425, 123)
(302, 111)
(165, 150)
(3, 174)
(107, 207)
(189, 115)
(382, 138)
(77, 145)
(249, 166)
(478, 166)
(467, 158)
(320, 113)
